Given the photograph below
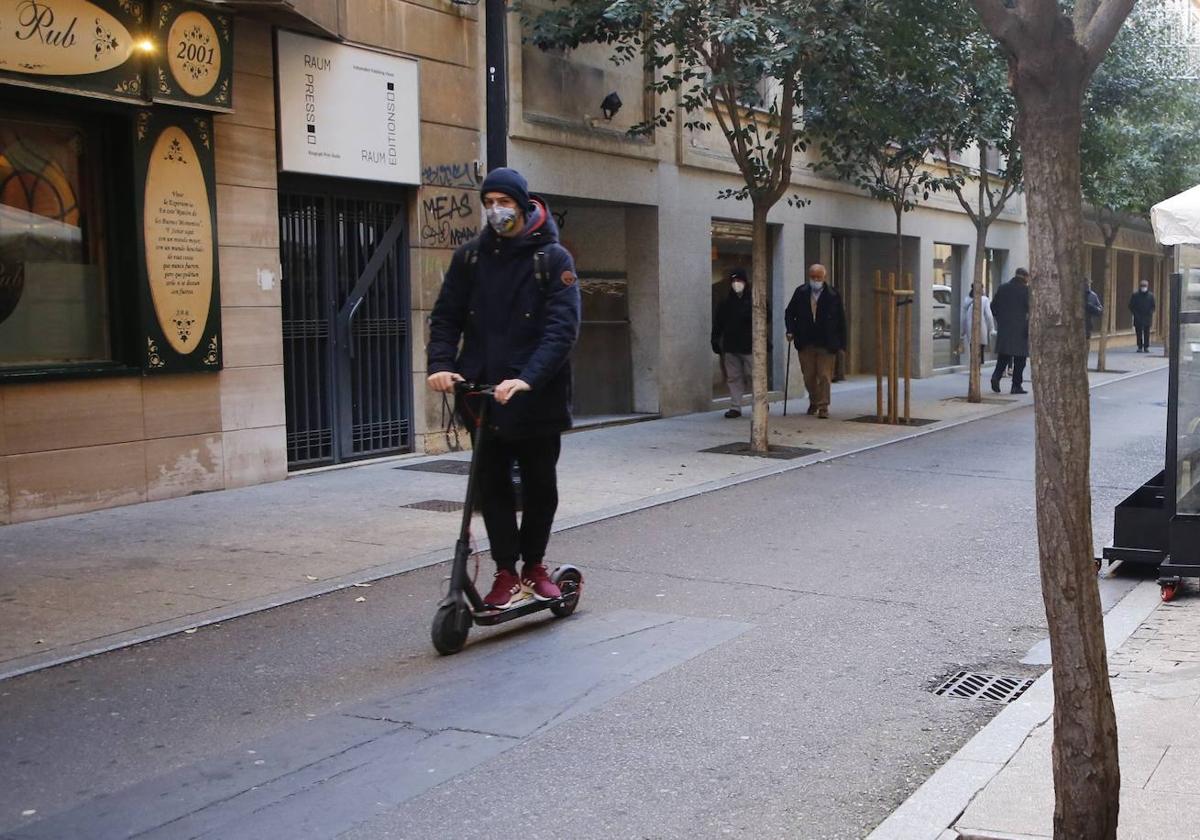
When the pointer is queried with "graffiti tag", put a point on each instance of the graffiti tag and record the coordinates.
(449, 175)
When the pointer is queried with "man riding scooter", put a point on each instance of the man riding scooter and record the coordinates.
(510, 295)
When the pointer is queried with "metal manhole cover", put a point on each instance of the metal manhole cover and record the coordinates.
(971, 686)
(912, 421)
(445, 466)
(782, 453)
(436, 506)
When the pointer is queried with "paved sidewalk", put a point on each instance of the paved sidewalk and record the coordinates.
(1000, 787)
(78, 585)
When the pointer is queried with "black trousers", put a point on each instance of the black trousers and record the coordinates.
(1143, 336)
(537, 459)
(1018, 369)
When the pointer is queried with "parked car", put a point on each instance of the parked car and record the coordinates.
(943, 311)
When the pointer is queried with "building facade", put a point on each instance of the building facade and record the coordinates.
(207, 275)
(219, 249)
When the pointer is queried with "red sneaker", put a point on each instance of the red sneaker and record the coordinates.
(537, 581)
(506, 590)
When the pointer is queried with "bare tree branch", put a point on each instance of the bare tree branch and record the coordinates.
(1101, 27)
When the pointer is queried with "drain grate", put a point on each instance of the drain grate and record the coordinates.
(436, 506)
(445, 466)
(971, 686)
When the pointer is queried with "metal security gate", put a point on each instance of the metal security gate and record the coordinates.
(345, 324)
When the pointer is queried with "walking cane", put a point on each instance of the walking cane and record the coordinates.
(787, 375)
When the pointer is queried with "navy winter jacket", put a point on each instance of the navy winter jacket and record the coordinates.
(511, 326)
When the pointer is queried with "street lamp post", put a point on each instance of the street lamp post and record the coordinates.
(496, 81)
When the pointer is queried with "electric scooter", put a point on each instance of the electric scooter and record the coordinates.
(463, 606)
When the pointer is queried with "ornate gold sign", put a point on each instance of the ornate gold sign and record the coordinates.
(194, 53)
(80, 46)
(61, 38)
(194, 65)
(178, 231)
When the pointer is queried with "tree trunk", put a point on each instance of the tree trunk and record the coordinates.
(759, 287)
(1086, 774)
(977, 336)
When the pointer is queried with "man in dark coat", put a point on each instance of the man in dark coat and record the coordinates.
(1010, 307)
(1142, 305)
(731, 339)
(816, 322)
(510, 295)
(1092, 308)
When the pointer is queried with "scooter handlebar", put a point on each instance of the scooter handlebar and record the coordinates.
(463, 388)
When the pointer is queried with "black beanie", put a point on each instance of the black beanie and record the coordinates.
(510, 182)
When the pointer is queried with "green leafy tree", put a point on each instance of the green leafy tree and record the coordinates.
(1053, 49)
(989, 173)
(1141, 134)
(877, 119)
(708, 62)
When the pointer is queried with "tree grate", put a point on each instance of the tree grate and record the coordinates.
(971, 686)
(436, 506)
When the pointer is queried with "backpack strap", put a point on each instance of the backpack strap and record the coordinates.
(541, 266)
(541, 272)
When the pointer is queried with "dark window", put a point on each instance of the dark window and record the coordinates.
(62, 180)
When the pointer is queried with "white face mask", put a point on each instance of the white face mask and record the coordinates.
(739, 287)
(1145, 288)
(817, 285)
(501, 219)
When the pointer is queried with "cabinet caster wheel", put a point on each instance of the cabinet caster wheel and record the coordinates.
(1168, 591)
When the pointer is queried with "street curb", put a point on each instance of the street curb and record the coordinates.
(169, 627)
(932, 810)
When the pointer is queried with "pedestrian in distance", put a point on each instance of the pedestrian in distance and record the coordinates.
(816, 324)
(1092, 308)
(1142, 305)
(731, 339)
(987, 321)
(1010, 307)
(510, 295)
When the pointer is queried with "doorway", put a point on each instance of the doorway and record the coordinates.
(346, 310)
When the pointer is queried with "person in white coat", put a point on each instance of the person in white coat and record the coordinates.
(987, 325)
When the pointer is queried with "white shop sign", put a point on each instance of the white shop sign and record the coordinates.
(346, 111)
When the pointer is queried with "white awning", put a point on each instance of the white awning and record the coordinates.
(1177, 220)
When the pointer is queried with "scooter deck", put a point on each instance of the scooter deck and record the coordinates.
(487, 618)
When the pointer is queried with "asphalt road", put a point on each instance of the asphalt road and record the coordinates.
(755, 662)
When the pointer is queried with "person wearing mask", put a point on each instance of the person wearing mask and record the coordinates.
(816, 324)
(511, 298)
(731, 339)
(987, 323)
(1142, 305)
(1010, 307)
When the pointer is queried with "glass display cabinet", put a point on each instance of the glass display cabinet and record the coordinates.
(1159, 524)
(1183, 434)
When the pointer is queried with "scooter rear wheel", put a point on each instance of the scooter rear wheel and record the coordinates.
(570, 581)
(451, 624)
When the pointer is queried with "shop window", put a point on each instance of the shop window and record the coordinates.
(55, 263)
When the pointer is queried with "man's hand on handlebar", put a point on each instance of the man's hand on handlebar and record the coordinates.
(509, 388)
(443, 382)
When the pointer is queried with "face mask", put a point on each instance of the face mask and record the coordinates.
(817, 285)
(1145, 288)
(739, 287)
(501, 219)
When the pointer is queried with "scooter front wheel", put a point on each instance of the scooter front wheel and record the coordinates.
(451, 624)
(570, 581)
